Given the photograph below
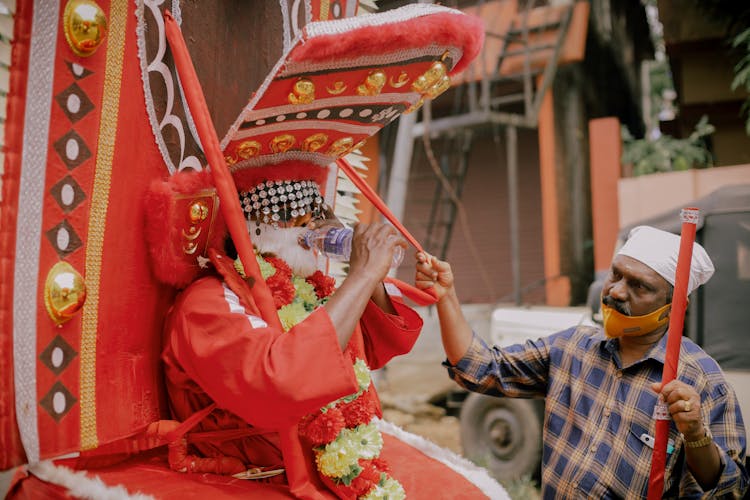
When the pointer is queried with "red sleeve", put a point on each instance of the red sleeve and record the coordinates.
(267, 377)
(388, 335)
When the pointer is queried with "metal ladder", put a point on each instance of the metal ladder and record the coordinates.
(494, 100)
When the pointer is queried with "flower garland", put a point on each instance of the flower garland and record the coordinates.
(346, 442)
(294, 297)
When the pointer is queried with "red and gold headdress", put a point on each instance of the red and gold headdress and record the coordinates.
(338, 84)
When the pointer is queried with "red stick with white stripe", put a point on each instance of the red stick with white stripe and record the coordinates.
(689, 217)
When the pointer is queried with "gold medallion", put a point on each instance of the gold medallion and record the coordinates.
(85, 26)
(64, 292)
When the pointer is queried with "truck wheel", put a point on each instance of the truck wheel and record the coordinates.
(502, 434)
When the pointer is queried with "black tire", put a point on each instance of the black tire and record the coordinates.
(503, 435)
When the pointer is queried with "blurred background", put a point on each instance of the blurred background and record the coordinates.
(578, 120)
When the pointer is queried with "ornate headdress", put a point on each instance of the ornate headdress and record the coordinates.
(339, 83)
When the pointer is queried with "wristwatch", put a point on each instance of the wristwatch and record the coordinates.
(700, 443)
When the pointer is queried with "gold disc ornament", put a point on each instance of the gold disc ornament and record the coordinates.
(64, 292)
(85, 26)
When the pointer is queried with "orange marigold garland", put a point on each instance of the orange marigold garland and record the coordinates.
(350, 463)
(282, 290)
(324, 285)
(323, 427)
(346, 442)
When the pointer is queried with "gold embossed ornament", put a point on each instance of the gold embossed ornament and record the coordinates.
(248, 149)
(303, 92)
(282, 143)
(85, 26)
(64, 292)
(373, 84)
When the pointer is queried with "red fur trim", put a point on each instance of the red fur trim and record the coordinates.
(296, 170)
(169, 263)
(464, 31)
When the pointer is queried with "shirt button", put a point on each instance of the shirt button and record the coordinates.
(607, 411)
(618, 374)
(593, 448)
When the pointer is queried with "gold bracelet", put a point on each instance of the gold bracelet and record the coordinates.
(700, 443)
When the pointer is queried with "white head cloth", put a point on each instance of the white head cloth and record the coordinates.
(659, 250)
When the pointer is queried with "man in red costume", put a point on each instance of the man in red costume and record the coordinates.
(265, 380)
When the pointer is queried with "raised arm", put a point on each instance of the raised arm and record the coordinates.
(455, 331)
(372, 253)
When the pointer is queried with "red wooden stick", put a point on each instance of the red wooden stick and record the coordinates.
(421, 297)
(689, 218)
(230, 203)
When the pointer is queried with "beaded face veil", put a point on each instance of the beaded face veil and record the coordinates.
(275, 201)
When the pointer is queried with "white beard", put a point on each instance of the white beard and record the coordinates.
(283, 243)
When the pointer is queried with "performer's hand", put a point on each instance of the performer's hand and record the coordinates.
(684, 406)
(432, 272)
(372, 249)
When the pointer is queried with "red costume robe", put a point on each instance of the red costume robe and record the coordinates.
(219, 350)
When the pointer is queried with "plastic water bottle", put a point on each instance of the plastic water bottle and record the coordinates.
(335, 242)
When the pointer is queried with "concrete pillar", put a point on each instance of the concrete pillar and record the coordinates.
(605, 150)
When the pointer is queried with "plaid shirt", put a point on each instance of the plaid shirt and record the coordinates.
(596, 412)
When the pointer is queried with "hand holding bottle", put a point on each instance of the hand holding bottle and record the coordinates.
(373, 246)
(335, 242)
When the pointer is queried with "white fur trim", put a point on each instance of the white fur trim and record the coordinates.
(476, 475)
(80, 484)
(401, 14)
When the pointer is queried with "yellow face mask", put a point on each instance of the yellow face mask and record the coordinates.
(617, 324)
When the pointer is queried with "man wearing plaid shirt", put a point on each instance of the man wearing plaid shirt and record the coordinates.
(602, 384)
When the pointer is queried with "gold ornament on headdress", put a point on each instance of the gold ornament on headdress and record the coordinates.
(402, 80)
(303, 92)
(338, 88)
(441, 86)
(189, 245)
(373, 84)
(415, 106)
(341, 146)
(248, 149)
(198, 212)
(282, 143)
(64, 292)
(85, 26)
(430, 84)
(430, 77)
(314, 142)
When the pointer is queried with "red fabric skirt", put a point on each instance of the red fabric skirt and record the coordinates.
(421, 476)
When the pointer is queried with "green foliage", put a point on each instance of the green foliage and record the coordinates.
(741, 42)
(667, 154)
